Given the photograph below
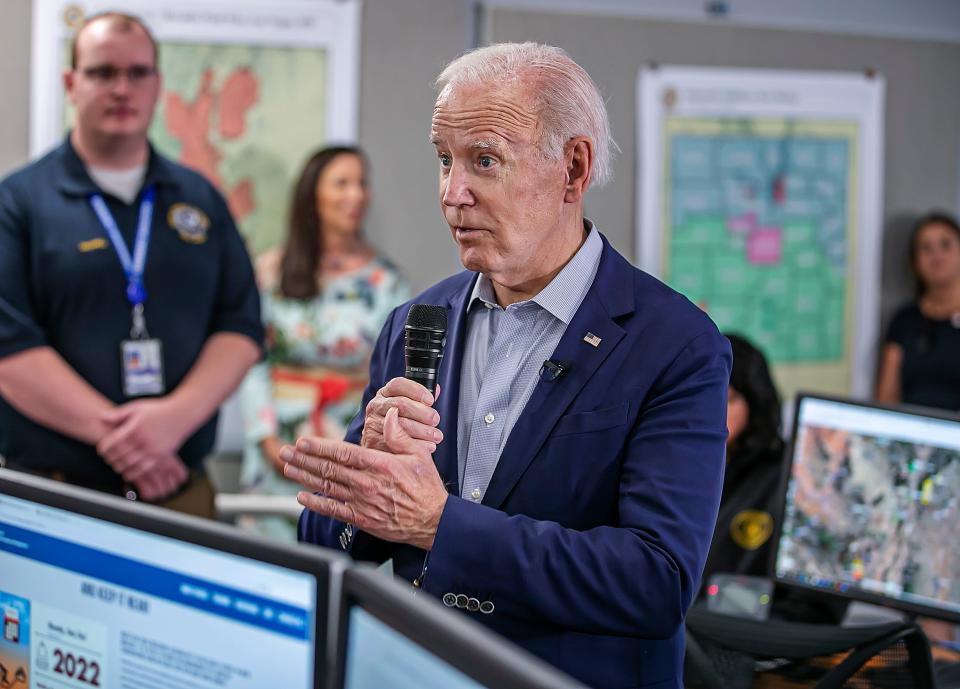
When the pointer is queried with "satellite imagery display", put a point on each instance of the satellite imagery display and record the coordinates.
(876, 512)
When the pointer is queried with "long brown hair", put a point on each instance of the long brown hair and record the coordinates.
(304, 247)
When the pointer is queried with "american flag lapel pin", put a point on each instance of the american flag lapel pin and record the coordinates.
(591, 339)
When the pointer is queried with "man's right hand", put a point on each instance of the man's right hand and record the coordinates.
(414, 404)
(162, 479)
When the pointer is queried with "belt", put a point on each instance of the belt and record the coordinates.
(114, 487)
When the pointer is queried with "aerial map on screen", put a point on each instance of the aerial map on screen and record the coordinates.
(873, 504)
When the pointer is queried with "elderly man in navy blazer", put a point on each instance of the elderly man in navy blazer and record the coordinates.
(572, 513)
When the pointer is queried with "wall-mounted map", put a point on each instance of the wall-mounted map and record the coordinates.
(759, 203)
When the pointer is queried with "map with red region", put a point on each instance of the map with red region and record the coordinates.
(246, 117)
(190, 123)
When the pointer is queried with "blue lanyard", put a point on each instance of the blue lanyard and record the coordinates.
(132, 268)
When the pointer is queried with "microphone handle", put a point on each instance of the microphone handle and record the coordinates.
(427, 379)
(423, 352)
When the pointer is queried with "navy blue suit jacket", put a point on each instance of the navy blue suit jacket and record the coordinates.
(592, 535)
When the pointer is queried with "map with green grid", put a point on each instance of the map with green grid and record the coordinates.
(760, 234)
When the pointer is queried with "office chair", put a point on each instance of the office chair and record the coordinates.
(725, 652)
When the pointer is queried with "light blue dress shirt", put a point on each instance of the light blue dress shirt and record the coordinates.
(503, 354)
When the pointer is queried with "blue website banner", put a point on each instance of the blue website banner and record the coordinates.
(209, 597)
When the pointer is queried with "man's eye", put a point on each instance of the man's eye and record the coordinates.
(485, 161)
(444, 159)
(104, 73)
(139, 72)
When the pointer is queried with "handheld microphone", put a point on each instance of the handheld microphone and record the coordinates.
(425, 335)
(551, 370)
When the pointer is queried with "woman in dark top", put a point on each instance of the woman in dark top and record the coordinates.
(751, 485)
(752, 499)
(920, 363)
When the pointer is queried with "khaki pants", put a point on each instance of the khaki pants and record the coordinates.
(196, 497)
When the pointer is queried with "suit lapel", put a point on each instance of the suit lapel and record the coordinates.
(446, 455)
(611, 295)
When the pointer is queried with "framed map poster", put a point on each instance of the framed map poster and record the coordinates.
(250, 90)
(760, 199)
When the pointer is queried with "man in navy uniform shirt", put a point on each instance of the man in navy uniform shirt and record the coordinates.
(128, 309)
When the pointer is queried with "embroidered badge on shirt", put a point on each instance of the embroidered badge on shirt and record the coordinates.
(190, 222)
(750, 529)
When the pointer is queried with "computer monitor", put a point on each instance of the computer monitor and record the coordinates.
(872, 508)
(391, 637)
(96, 591)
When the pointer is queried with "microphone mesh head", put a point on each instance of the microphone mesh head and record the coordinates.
(427, 316)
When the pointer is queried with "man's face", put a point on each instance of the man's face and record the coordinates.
(502, 200)
(115, 85)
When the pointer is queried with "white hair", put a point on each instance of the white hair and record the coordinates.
(568, 103)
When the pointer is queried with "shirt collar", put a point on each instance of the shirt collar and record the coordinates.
(77, 182)
(562, 297)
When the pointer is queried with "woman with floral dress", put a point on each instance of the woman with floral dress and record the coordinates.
(325, 296)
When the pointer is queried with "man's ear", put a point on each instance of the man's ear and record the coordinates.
(68, 78)
(578, 160)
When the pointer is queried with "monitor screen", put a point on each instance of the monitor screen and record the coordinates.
(95, 592)
(400, 662)
(390, 637)
(872, 507)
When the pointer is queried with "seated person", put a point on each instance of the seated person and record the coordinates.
(752, 498)
(751, 485)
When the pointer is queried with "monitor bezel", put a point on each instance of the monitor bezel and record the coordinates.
(326, 566)
(852, 593)
(462, 643)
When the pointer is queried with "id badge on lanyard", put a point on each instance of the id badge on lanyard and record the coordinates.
(141, 356)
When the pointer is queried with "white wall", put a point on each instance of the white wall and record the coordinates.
(922, 105)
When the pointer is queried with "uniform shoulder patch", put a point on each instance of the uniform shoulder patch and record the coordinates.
(750, 529)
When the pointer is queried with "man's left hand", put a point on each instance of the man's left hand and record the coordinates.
(164, 477)
(397, 496)
(143, 428)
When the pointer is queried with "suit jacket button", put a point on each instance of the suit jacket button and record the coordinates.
(462, 601)
(486, 607)
(449, 600)
(473, 605)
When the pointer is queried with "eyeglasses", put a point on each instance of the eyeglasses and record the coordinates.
(108, 74)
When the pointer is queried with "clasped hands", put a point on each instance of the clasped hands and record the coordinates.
(140, 442)
(388, 486)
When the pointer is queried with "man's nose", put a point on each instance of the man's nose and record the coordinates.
(457, 190)
(120, 85)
